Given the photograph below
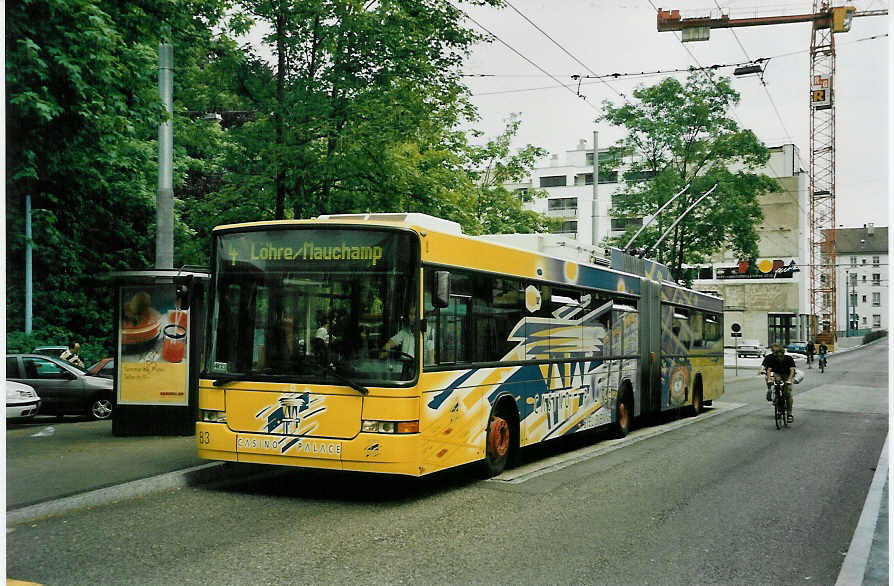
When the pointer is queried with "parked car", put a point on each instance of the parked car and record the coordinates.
(797, 348)
(104, 368)
(746, 348)
(62, 387)
(22, 401)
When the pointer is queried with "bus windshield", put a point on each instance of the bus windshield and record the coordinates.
(314, 305)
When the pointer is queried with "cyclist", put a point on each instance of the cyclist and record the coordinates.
(811, 350)
(823, 350)
(782, 365)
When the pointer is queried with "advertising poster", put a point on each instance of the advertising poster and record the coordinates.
(154, 347)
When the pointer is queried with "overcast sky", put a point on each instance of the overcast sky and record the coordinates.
(621, 37)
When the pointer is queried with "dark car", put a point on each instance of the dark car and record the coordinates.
(54, 351)
(104, 368)
(62, 387)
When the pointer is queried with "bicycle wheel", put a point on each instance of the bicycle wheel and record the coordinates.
(779, 405)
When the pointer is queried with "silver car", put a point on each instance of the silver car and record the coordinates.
(62, 387)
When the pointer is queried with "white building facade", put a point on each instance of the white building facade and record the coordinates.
(861, 280)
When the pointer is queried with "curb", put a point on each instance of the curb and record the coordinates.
(854, 567)
(205, 474)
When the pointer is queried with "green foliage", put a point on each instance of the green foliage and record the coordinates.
(871, 336)
(680, 134)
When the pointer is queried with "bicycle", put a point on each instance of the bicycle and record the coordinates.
(779, 402)
(822, 363)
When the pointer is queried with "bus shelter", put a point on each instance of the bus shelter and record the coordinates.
(158, 321)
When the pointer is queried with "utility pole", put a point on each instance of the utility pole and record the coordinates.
(595, 186)
(847, 300)
(164, 211)
(29, 292)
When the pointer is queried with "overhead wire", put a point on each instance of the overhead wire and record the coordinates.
(566, 51)
(517, 52)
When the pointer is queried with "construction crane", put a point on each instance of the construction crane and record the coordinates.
(827, 21)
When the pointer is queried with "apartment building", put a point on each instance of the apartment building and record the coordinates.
(861, 280)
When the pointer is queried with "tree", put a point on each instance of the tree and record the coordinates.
(494, 209)
(677, 135)
(360, 107)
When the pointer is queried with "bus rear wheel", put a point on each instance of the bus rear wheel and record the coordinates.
(623, 415)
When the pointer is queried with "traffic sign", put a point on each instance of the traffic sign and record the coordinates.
(736, 328)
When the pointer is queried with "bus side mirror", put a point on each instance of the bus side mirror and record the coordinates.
(441, 297)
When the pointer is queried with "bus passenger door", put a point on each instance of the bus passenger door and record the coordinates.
(650, 347)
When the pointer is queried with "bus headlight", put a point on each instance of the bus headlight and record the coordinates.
(212, 416)
(390, 426)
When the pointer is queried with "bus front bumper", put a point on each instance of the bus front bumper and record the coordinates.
(367, 452)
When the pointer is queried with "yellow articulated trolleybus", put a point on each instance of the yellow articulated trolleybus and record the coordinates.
(393, 343)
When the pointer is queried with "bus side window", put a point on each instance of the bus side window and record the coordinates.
(696, 322)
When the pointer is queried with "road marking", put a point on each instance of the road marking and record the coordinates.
(556, 463)
(45, 432)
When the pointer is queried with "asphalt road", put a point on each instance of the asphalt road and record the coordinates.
(723, 498)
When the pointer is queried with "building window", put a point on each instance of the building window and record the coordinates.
(563, 203)
(781, 329)
(554, 181)
(854, 280)
(864, 299)
(864, 278)
(876, 320)
(566, 228)
(876, 279)
(876, 299)
(608, 176)
(637, 176)
(875, 261)
(583, 179)
(853, 261)
(864, 262)
(620, 224)
(590, 158)
(706, 273)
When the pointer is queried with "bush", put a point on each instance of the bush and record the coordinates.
(874, 336)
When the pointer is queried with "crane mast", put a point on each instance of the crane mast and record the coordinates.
(826, 20)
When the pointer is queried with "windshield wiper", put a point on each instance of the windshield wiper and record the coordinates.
(223, 379)
(331, 369)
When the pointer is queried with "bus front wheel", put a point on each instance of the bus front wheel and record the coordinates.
(499, 443)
